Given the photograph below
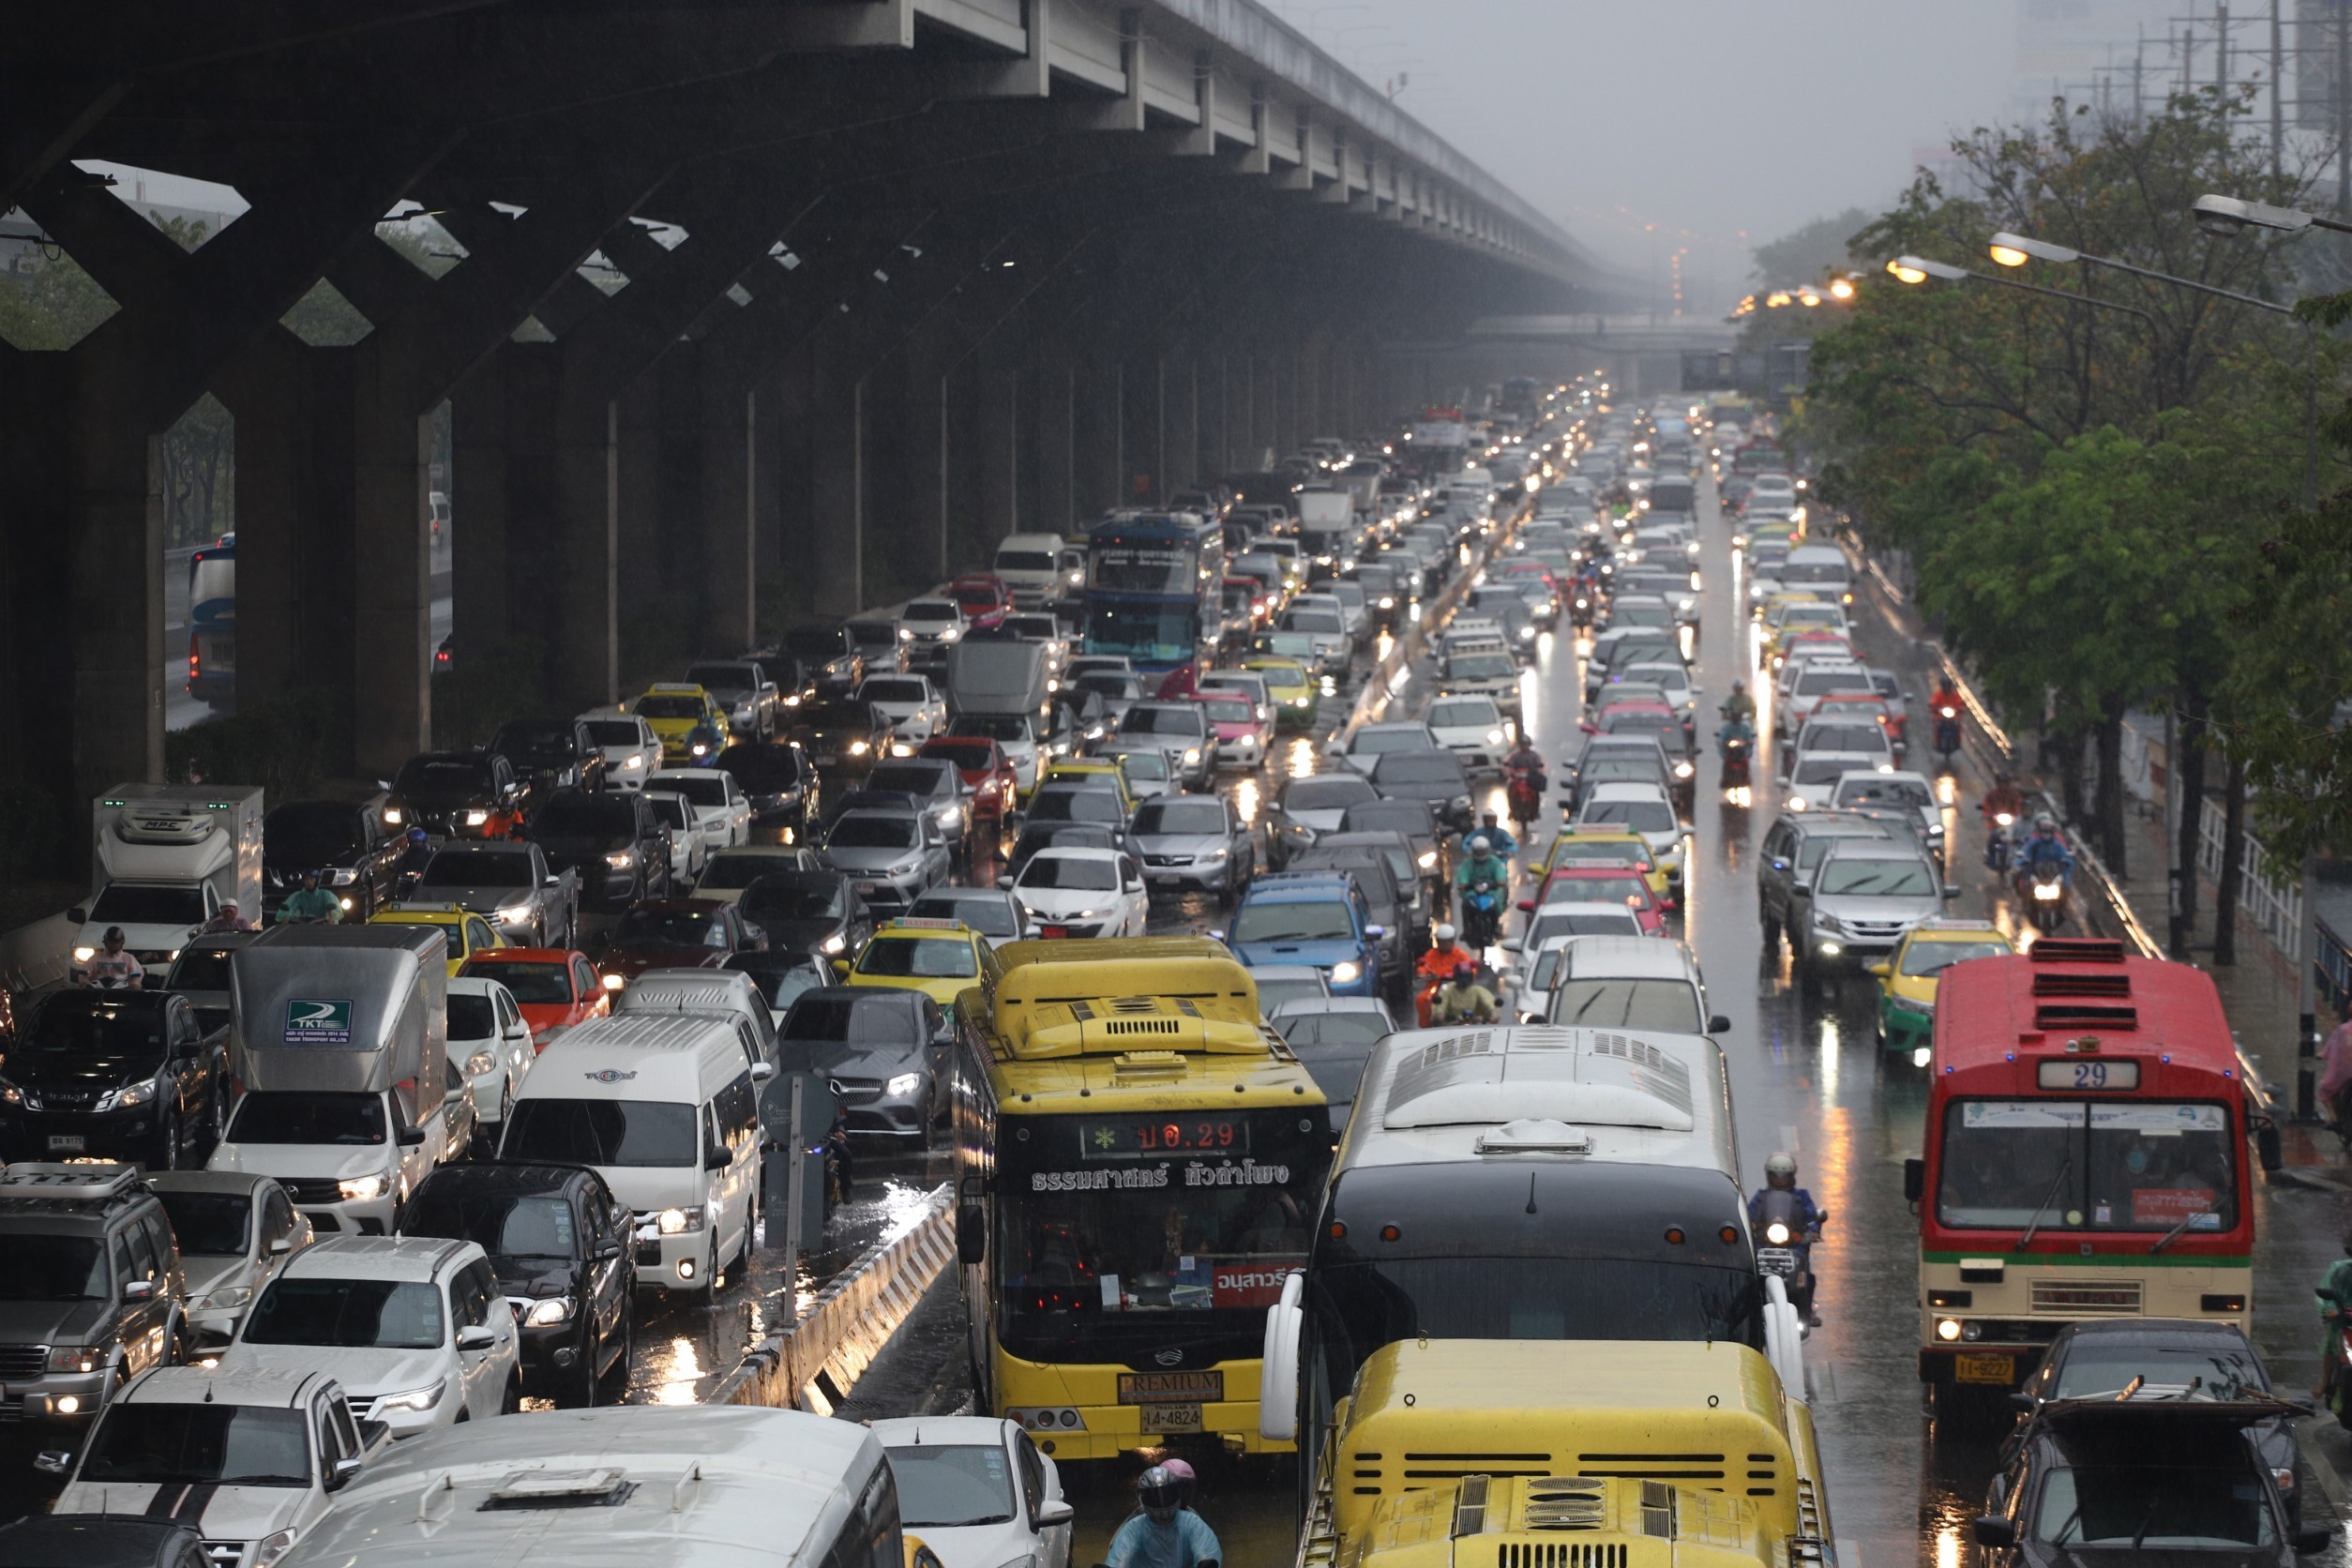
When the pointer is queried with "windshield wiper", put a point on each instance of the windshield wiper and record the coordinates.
(959, 1524)
(2174, 1234)
(2034, 1224)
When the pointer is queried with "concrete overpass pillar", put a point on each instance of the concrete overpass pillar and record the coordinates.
(995, 395)
(727, 428)
(1180, 417)
(1142, 476)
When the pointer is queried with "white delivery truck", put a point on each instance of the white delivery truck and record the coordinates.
(1031, 565)
(339, 1042)
(164, 858)
(1327, 530)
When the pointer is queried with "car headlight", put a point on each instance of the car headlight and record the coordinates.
(513, 914)
(629, 762)
(1192, 755)
(1777, 1233)
(835, 943)
(1494, 737)
(680, 1222)
(1905, 1004)
(906, 634)
(613, 982)
(272, 1546)
(1797, 803)
(1299, 701)
(343, 876)
(1214, 857)
(1460, 802)
(1683, 770)
(392, 817)
(479, 1062)
(75, 1358)
(904, 1084)
(360, 1189)
(1345, 971)
(859, 749)
(11, 1095)
(947, 813)
(619, 859)
(413, 1399)
(129, 1094)
(228, 1297)
(548, 1311)
(477, 817)
(1428, 860)
(84, 955)
(950, 633)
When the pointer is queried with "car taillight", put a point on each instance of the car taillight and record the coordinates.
(195, 665)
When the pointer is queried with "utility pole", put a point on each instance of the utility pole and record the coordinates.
(2220, 48)
(2278, 98)
(2139, 63)
(2343, 106)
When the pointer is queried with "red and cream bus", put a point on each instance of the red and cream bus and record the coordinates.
(2085, 1157)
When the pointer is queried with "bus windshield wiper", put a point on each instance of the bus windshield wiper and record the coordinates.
(2034, 1224)
(2174, 1234)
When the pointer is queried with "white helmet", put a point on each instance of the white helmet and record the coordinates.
(1479, 845)
(1781, 1165)
(1445, 931)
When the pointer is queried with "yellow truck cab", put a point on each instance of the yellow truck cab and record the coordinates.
(1642, 1454)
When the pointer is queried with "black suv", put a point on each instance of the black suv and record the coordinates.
(356, 857)
(613, 840)
(117, 1075)
(551, 754)
(830, 657)
(559, 1241)
(92, 1293)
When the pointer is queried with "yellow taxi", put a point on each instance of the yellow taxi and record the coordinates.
(941, 959)
(466, 933)
(1099, 768)
(1599, 847)
(1787, 533)
(676, 709)
(1292, 687)
(1907, 980)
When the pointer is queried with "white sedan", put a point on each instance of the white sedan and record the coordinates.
(910, 701)
(721, 809)
(976, 1491)
(1083, 893)
(1471, 726)
(490, 1046)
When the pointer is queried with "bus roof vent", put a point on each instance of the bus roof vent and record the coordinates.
(1469, 1506)
(1156, 1023)
(2076, 950)
(1535, 1136)
(1129, 1066)
(2060, 1016)
(2059, 982)
(1564, 1502)
(606, 1487)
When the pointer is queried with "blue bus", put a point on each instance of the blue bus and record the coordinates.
(1151, 581)
(212, 622)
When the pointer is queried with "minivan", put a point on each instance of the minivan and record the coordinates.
(666, 1109)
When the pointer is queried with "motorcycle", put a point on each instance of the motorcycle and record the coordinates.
(1736, 755)
(2044, 887)
(1525, 794)
(1787, 1246)
(2335, 1375)
(1947, 731)
(1482, 913)
(1997, 844)
(1580, 610)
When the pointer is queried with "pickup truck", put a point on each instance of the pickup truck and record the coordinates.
(512, 886)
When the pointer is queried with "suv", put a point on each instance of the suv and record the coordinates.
(551, 754)
(1793, 847)
(1864, 898)
(416, 1329)
(93, 1289)
(754, 704)
(345, 843)
(1318, 919)
(119, 1075)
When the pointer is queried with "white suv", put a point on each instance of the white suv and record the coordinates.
(415, 1328)
(631, 750)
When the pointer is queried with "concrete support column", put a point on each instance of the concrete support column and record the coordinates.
(1180, 422)
(392, 579)
(995, 395)
(582, 548)
(1143, 476)
(35, 533)
(1050, 383)
(117, 584)
(1214, 379)
(1098, 454)
(837, 494)
(479, 495)
(728, 422)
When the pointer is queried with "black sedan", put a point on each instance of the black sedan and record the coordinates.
(815, 913)
(560, 1242)
(847, 738)
(551, 754)
(112, 1075)
(1433, 777)
(777, 777)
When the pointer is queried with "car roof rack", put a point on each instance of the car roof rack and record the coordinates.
(36, 1179)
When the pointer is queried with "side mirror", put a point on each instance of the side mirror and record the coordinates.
(841, 966)
(79, 915)
(762, 1071)
(1914, 1180)
(138, 1291)
(1376, 930)
(1799, 891)
(1994, 1532)
(412, 1138)
(341, 1473)
(2020, 1400)
(971, 1233)
(1882, 970)
(2313, 1538)
(281, 1246)
(1951, 893)
(1718, 1024)
(53, 1461)
(1057, 1511)
(475, 1337)
(718, 1157)
(1525, 906)
(606, 1253)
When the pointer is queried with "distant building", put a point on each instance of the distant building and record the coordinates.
(2064, 44)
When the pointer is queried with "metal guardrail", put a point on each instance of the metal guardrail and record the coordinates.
(812, 1364)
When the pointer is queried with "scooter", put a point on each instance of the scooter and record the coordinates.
(1736, 756)
(1997, 844)
(2335, 1374)
(1525, 794)
(1947, 732)
(2044, 890)
(1482, 914)
(1788, 1246)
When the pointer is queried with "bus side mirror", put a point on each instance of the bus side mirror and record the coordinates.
(1914, 1180)
(971, 1234)
(1278, 1378)
(2267, 1145)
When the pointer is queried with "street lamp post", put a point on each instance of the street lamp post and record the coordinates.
(2229, 215)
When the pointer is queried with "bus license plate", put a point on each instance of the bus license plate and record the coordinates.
(1986, 1369)
(1171, 1418)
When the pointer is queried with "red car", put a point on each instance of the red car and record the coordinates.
(677, 933)
(556, 989)
(987, 771)
(1602, 882)
(985, 600)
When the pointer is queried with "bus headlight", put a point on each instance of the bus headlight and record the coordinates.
(1948, 1329)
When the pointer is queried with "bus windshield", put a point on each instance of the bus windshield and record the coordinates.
(2071, 1165)
(1153, 633)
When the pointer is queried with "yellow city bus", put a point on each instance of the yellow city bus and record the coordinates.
(1138, 1158)
(1494, 1454)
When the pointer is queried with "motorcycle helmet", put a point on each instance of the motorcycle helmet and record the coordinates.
(2348, 1244)
(113, 936)
(1780, 1170)
(1160, 1493)
(1186, 1483)
(2045, 823)
(1738, 685)
(1465, 971)
(1480, 845)
(1445, 933)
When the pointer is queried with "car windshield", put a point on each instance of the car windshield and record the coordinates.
(857, 716)
(1318, 1038)
(533, 984)
(95, 1025)
(919, 958)
(1642, 816)
(503, 1224)
(1322, 621)
(1007, 729)
(1229, 710)
(1623, 1003)
(1818, 682)
(1143, 766)
(1267, 920)
(970, 757)
(931, 610)
(380, 1314)
(145, 1444)
(52, 1268)
(1820, 769)
(616, 732)
(1634, 721)
(1180, 817)
(671, 928)
(1463, 714)
(470, 1017)
(638, 1133)
(138, 904)
(442, 776)
(1922, 958)
(911, 778)
(285, 1116)
(1075, 873)
(1420, 767)
(1380, 741)
(311, 833)
(779, 983)
(876, 832)
(1149, 720)
(702, 789)
(477, 868)
(944, 1487)
(991, 917)
(1891, 877)
(733, 871)
(1408, 817)
(200, 968)
(759, 767)
(1333, 793)
(1480, 667)
(1552, 925)
(1076, 806)
(892, 690)
(576, 814)
(796, 896)
(1880, 789)
(209, 1224)
(1843, 737)
(1590, 887)
(2145, 1506)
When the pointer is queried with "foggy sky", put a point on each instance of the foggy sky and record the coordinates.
(1712, 117)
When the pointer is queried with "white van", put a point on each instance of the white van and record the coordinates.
(666, 1109)
(1031, 565)
(1823, 568)
(684, 1486)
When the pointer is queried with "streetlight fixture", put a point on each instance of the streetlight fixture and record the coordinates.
(2017, 250)
(2227, 217)
(2014, 250)
(1919, 269)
